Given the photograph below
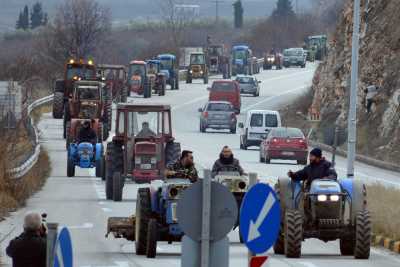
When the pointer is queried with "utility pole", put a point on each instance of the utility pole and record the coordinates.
(352, 116)
(217, 2)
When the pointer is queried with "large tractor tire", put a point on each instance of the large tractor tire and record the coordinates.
(172, 152)
(100, 167)
(114, 163)
(151, 250)
(118, 186)
(58, 105)
(70, 167)
(68, 135)
(279, 246)
(362, 247)
(143, 212)
(67, 118)
(293, 233)
(347, 246)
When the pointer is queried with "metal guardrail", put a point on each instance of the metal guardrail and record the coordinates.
(20, 171)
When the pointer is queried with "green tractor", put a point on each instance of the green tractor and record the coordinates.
(316, 47)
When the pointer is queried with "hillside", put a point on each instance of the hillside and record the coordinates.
(379, 130)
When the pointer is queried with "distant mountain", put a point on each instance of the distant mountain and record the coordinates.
(125, 10)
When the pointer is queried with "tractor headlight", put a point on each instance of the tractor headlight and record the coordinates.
(201, 72)
(173, 192)
(71, 61)
(334, 198)
(153, 160)
(190, 71)
(322, 198)
(242, 185)
(138, 160)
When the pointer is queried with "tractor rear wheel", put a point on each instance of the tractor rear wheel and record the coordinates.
(100, 167)
(106, 130)
(103, 171)
(172, 152)
(176, 82)
(58, 105)
(293, 233)
(143, 212)
(347, 246)
(118, 186)
(68, 135)
(114, 163)
(67, 118)
(363, 235)
(279, 246)
(151, 250)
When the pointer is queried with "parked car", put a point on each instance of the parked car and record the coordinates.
(226, 90)
(257, 126)
(284, 143)
(294, 57)
(248, 85)
(218, 115)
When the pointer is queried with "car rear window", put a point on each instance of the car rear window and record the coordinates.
(245, 80)
(271, 120)
(256, 120)
(219, 107)
(223, 86)
(287, 133)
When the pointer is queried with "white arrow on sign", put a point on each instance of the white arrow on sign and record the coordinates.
(253, 228)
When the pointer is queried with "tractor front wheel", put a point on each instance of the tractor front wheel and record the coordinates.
(363, 235)
(118, 186)
(151, 249)
(143, 211)
(114, 163)
(58, 105)
(293, 233)
(347, 246)
(70, 167)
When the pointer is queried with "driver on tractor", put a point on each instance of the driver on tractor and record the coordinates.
(87, 134)
(183, 168)
(226, 163)
(145, 131)
(319, 168)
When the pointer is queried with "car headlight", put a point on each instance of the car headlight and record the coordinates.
(322, 198)
(334, 198)
(138, 160)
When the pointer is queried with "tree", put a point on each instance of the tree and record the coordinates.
(23, 20)
(37, 16)
(284, 9)
(238, 14)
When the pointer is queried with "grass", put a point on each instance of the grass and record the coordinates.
(383, 203)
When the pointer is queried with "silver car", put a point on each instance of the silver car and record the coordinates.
(218, 115)
(248, 85)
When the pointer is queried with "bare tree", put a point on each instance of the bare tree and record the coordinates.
(79, 26)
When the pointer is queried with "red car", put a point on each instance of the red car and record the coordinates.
(284, 143)
(226, 90)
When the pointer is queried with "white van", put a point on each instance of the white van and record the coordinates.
(257, 126)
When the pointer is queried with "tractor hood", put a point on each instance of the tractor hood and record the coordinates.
(325, 186)
(165, 72)
(239, 61)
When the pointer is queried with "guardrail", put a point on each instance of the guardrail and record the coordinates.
(20, 171)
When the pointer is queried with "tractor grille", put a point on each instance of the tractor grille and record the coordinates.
(88, 112)
(329, 223)
(196, 68)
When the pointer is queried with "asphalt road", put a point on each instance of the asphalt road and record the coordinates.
(80, 202)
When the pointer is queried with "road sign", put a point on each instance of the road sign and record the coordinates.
(224, 211)
(260, 218)
(63, 251)
(258, 261)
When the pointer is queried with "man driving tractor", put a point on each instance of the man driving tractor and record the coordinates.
(145, 131)
(87, 134)
(226, 163)
(183, 168)
(319, 168)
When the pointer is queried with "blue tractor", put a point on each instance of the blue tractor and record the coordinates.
(328, 210)
(170, 68)
(241, 60)
(85, 155)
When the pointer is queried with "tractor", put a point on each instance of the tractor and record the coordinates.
(74, 70)
(138, 80)
(87, 103)
(155, 219)
(114, 77)
(242, 60)
(218, 60)
(271, 60)
(142, 147)
(237, 185)
(327, 210)
(317, 47)
(85, 155)
(197, 68)
(157, 78)
(169, 66)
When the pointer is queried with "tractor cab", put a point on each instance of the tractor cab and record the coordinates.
(86, 102)
(137, 72)
(168, 66)
(153, 66)
(241, 59)
(114, 76)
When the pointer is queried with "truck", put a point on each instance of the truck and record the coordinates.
(316, 46)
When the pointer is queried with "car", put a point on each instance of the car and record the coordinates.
(257, 125)
(248, 85)
(294, 57)
(218, 115)
(284, 143)
(226, 90)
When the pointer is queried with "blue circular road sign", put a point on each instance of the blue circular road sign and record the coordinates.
(63, 251)
(260, 218)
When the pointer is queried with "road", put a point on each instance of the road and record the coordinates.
(80, 202)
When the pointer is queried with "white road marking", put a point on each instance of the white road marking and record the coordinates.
(87, 225)
(307, 264)
(106, 210)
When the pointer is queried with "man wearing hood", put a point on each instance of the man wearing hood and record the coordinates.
(226, 163)
(319, 168)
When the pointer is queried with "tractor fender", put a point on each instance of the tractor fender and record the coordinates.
(99, 151)
(154, 199)
(289, 193)
(72, 150)
(357, 196)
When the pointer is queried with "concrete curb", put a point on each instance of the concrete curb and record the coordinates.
(388, 243)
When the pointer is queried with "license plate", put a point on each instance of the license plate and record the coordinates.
(219, 116)
(145, 166)
(287, 153)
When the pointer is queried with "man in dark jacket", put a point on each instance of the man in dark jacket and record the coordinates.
(29, 249)
(319, 168)
(226, 163)
(183, 168)
(87, 134)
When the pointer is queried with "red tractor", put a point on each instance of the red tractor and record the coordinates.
(74, 70)
(87, 103)
(142, 147)
(138, 80)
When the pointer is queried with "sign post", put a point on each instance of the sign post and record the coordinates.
(51, 243)
(205, 232)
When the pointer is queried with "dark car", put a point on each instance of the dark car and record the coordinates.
(284, 143)
(218, 115)
(248, 85)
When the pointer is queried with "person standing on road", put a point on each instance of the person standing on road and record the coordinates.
(226, 163)
(29, 248)
(319, 168)
(183, 168)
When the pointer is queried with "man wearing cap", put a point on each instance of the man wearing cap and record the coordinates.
(87, 134)
(319, 168)
(29, 248)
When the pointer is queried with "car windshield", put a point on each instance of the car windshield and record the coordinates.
(166, 64)
(223, 86)
(88, 93)
(79, 71)
(287, 133)
(245, 79)
(197, 59)
(219, 107)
